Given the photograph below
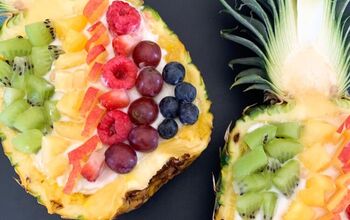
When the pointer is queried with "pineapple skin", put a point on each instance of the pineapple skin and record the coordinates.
(132, 190)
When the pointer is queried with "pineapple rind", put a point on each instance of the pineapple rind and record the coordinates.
(110, 200)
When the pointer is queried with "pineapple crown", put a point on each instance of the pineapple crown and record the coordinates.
(9, 14)
(299, 45)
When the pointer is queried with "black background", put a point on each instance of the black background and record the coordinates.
(190, 195)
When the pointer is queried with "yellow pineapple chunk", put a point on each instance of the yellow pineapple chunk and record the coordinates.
(312, 197)
(299, 211)
(76, 23)
(69, 129)
(57, 166)
(316, 132)
(343, 180)
(322, 182)
(74, 41)
(315, 158)
(338, 201)
(69, 60)
(67, 80)
(70, 103)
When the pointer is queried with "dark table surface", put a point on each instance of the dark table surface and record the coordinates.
(190, 195)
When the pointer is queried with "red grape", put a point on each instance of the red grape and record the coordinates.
(149, 82)
(121, 158)
(143, 111)
(147, 53)
(144, 138)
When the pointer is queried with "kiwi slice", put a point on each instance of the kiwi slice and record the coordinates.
(272, 165)
(250, 163)
(269, 204)
(288, 130)
(253, 183)
(260, 136)
(28, 142)
(40, 33)
(286, 179)
(10, 113)
(11, 95)
(249, 204)
(15, 47)
(51, 111)
(32, 118)
(5, 73)
(38, 90)
(43, 57)
(21, 67)
(283, 149)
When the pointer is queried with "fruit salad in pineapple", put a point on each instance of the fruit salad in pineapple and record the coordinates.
(290, 159)
(100, 104)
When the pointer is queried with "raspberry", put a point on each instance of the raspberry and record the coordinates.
(119, 73)
(114, 127)
(122, 18)
(348, 212)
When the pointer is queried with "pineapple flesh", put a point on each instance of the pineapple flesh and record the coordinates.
(302, 65)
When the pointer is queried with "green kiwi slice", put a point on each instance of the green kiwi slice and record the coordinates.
(40, 33)
(38, 90)
(288, 130)
(260, 136)
(269, 204)
(43, 57)
(32, 118)
(286, 179)
(21, 67)
(51, 111)
(11, 95)
(15, 47)
(283, 149)
(249, 204)
(28, 142)
(5, 73)
(253, 183)
(11, 112)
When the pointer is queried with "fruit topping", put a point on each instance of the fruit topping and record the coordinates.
(260, 136)
(10, 113)
(92, 120)
(83, 151)
(15, 47)
(40, 33)
(89, 100)
(288, 130)
(249, 204)
(122, 18)
(116, 98)
(347, 211)
(51, 111)
(185, 92)
(99, 34)
(119, 73)
(149, 82)
(94, 53)
(93, 166)
(74, 41)
(147, 53)
(188, 113)
(28, 142)
(114, 127)
(33, 118)
(143, 111)
(121, 158)
(21, 68)
(168, 129)
(76, 23)
(73, 177)
(11, 95)
(169, 107)
(283, 149)
(94, 9)
(144, 138)
(5, 74)
(43, 57)
(174, 73)
(253, 183)
(95, 72)
(38, 90)
(121, 46)
(286, 179)
(269, 204)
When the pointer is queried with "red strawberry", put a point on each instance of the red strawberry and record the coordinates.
(92, 168)
(114, 127)
(124, 45)
(122, 18)
(119, 73)
(117, 98)
(348, 211)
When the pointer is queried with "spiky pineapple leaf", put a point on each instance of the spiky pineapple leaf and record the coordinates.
(248, 61)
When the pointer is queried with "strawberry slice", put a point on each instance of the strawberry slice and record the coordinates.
(73, 177)
(94, 9)
(94, 53)
(92, 120)
(84, 150)
(95, 72)
(89, 100)
(117, 98)
(344, 126)
(93, 167)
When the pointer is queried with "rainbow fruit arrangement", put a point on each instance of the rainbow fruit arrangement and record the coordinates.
(100, 106)
(289, 160)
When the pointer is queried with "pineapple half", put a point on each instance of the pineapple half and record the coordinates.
(302, 64)
(133, 189)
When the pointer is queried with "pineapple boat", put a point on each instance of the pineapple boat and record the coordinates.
(100, 104)
(289, 160)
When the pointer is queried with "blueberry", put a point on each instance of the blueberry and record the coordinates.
(169, 107)
(188, 113)
(174, 73)
(168, 128)
(185, 92)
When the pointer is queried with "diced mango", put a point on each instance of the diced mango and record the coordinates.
(315, 158)
(69, 60)
(70, 103)
(76, 23)
(69, 129)
(315, 131)
(312, 197)
(299, 211)
(67, 81)
(74, 41)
